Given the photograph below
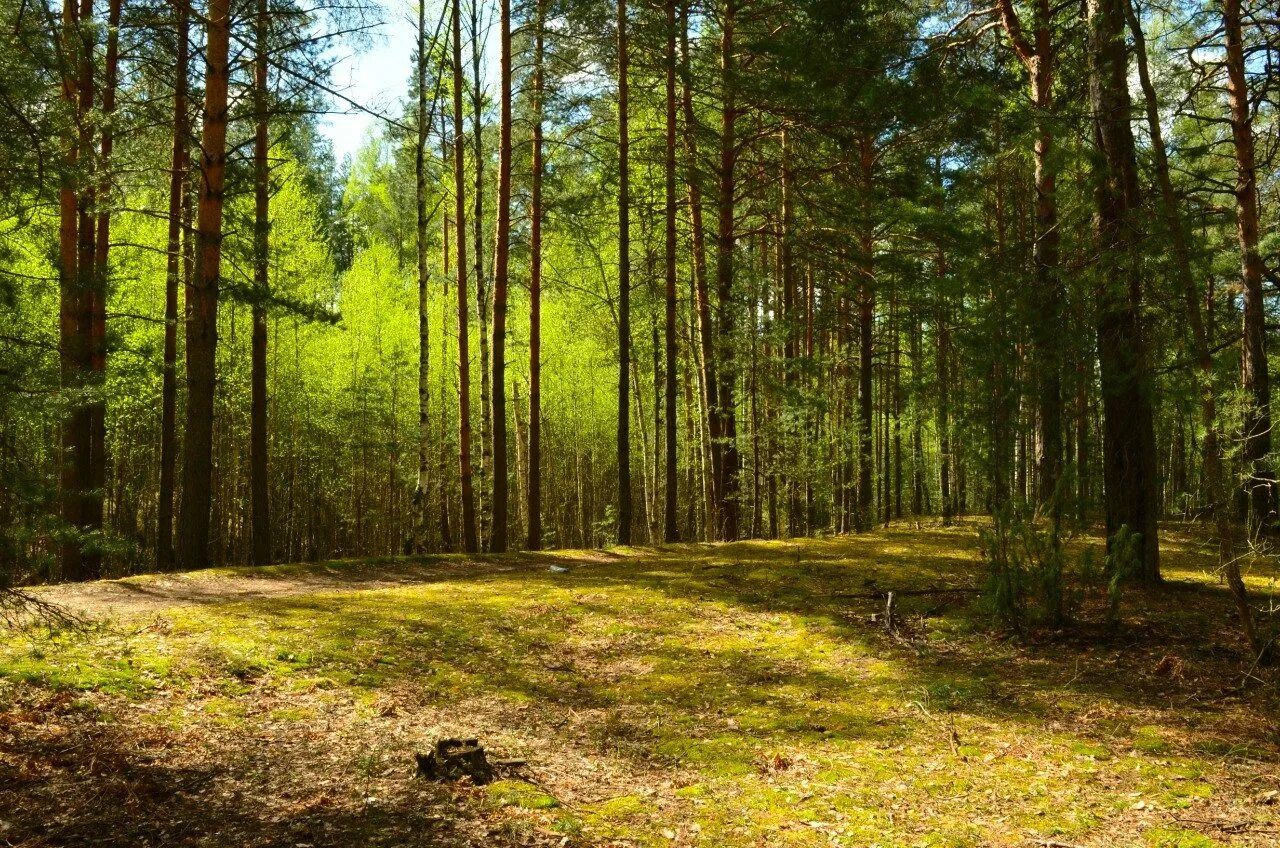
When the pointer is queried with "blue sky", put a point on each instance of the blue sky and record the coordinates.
(374, 76)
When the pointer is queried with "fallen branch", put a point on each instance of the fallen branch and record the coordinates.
(883, 594)
(20, 609)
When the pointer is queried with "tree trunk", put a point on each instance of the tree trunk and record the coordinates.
(866, 326)
(173, 271)
(788, 274)
(97, 317)
(944, 406)
(1039, 58)
(896, 377)
(86, 251)
(1129, 452)
(482, 279)
(534, 486)
(706, 331)
(445, 455)
(810, 420)
(73, 342)
(1259, 499)
(422, 486)
(202, 318)
(1200, 343)
(671, 530)
(501, 260)
(624, 291)
(469, 541)
(260, 533)
(726, 405)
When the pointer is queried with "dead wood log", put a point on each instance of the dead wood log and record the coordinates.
(883, 594)
(454, 759)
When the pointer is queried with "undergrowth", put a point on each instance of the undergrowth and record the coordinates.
(696, 695)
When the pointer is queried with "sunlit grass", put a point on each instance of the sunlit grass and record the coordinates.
(760, 705)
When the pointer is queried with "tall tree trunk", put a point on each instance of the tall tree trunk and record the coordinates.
(501, 261)
(726, 405)
(534, 487)
(810, 420)
(445, 456)
(702, 298)
(90, 560)
(482, 279)
(1040, 57)
(944, 405)
(97, 317)
(1129, 451)
(260, 531)
(671, 530)
(1001, 441)
(917, 436)
(202, 318)
(896, 395)
(1200, 344)
(173, 271)
(469, 540)
(73, 342)
(422, 486)
(624, 290)
(1260, 485)
(866, 326)
(790, 328)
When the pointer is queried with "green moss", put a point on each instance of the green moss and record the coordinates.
(517, 793)
(1089, 751)
(1163, 837)
(622, 807)
(291, 714)
(1150, 740)
(754, 702)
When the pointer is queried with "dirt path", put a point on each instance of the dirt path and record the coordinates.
(140, 595)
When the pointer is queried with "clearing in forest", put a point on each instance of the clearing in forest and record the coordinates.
(718, 695)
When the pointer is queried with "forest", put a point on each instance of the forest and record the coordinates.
(688, 422)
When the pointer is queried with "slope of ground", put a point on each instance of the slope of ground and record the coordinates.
(727, 695)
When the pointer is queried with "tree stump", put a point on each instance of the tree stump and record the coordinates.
(454, 759)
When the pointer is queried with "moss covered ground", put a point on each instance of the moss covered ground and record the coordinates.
(718, 695)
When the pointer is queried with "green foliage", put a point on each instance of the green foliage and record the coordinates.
(1027, 580)
(1124, 560)
(649, 690)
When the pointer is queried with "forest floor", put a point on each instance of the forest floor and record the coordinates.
(717, 695)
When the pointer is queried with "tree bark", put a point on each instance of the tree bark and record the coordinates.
(790, 328)
(1259, 500)
(482, 279)
(624, 290)
(1200, 343)
(469, 541)
(534, 486)
(866, 326)
(173, 276)
(422, 486)
(1040, 58)
(671, 530)
(502, 258)
(73, 342)
(726, 405)
(97, 317)
(1129, 452)
(501, 261)
(702, 298)
(202, 318)
(260, 525)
